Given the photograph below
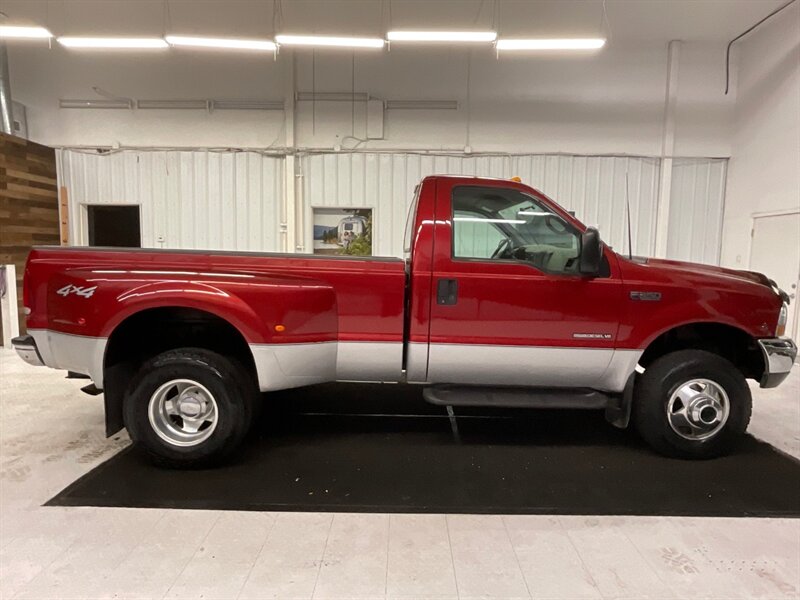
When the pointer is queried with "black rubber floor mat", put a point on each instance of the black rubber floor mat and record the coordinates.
(381, 448)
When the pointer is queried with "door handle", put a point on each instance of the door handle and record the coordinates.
(446, 292)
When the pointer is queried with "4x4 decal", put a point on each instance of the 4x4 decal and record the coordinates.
(83, 292)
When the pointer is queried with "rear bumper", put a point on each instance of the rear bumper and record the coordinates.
(779, 355)
(25, 346)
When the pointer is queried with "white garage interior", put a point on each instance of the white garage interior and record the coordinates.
(679, 138)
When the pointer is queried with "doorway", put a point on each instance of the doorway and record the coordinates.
(775, 251)
(116, 226)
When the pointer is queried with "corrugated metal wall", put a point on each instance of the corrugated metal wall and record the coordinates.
(187, 199)
(696, 207)
(232, 200)
(594, 187)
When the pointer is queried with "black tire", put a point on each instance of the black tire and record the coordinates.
(664, 377)
(231, 387)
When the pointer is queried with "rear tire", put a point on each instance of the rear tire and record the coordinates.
(692, 404)
(189, 407)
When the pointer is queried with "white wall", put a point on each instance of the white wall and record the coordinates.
(764, 171)
(604, 103)
(608, 102)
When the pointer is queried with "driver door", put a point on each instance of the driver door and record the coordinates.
(509, 306)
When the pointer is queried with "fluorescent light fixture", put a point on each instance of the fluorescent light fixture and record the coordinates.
(113, 42)
(442, 36)
(552, 44)
(21, 32)
(230, 43)
(95, 103)
(323, 40)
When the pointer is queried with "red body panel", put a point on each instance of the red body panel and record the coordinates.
(315, 299)
(511, 302)
(351, 299)
(693, 294)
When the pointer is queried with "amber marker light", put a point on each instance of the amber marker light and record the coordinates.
(280, 328)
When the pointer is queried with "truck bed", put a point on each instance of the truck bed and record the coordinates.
(288, 303)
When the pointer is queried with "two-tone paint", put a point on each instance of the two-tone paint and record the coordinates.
(310, 319)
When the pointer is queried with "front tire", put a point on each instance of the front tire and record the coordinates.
(692, 404)
(189, 408)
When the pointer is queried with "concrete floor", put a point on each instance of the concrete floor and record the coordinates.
(50, 434)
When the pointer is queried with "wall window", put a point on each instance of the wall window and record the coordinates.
(492, 223)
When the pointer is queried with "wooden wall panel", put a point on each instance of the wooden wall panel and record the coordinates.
(28, 203)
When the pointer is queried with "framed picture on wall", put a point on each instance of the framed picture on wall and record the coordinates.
(343, 231)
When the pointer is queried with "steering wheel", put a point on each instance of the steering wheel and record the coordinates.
(504, 245)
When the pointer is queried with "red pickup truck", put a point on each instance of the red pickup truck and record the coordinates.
(503, 299)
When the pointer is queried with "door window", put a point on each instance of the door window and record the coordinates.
(492, 223)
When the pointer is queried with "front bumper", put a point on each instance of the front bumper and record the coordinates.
(25, 346)
(779, 355)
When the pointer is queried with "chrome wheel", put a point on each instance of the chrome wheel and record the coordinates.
(183, 412)
(698, 409)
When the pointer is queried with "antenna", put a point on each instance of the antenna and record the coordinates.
(628, 211)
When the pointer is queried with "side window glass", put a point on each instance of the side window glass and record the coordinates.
(475, 236)
(505, 224)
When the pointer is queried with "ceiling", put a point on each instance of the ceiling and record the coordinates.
(640, 20)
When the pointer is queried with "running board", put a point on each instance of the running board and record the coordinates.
(510, 397)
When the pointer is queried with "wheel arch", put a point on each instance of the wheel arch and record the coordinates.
(725, 340)
(145, 333)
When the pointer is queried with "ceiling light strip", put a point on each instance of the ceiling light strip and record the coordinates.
(113, 42)
(329, 41)
(21, 32)
(228, 43)
(442, 36)
(551, 44)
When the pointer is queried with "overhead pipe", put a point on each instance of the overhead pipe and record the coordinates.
(6, 106)
(6, 114)
(740, 36)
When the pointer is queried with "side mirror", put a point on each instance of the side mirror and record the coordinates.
(591, 258)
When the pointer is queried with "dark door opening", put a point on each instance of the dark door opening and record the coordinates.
(114, 226)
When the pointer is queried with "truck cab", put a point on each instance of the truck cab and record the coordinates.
(503, 299)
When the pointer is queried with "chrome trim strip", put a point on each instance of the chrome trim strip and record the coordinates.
(69, 352)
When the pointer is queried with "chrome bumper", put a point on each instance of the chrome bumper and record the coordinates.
(779, 355)
(25, 346)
